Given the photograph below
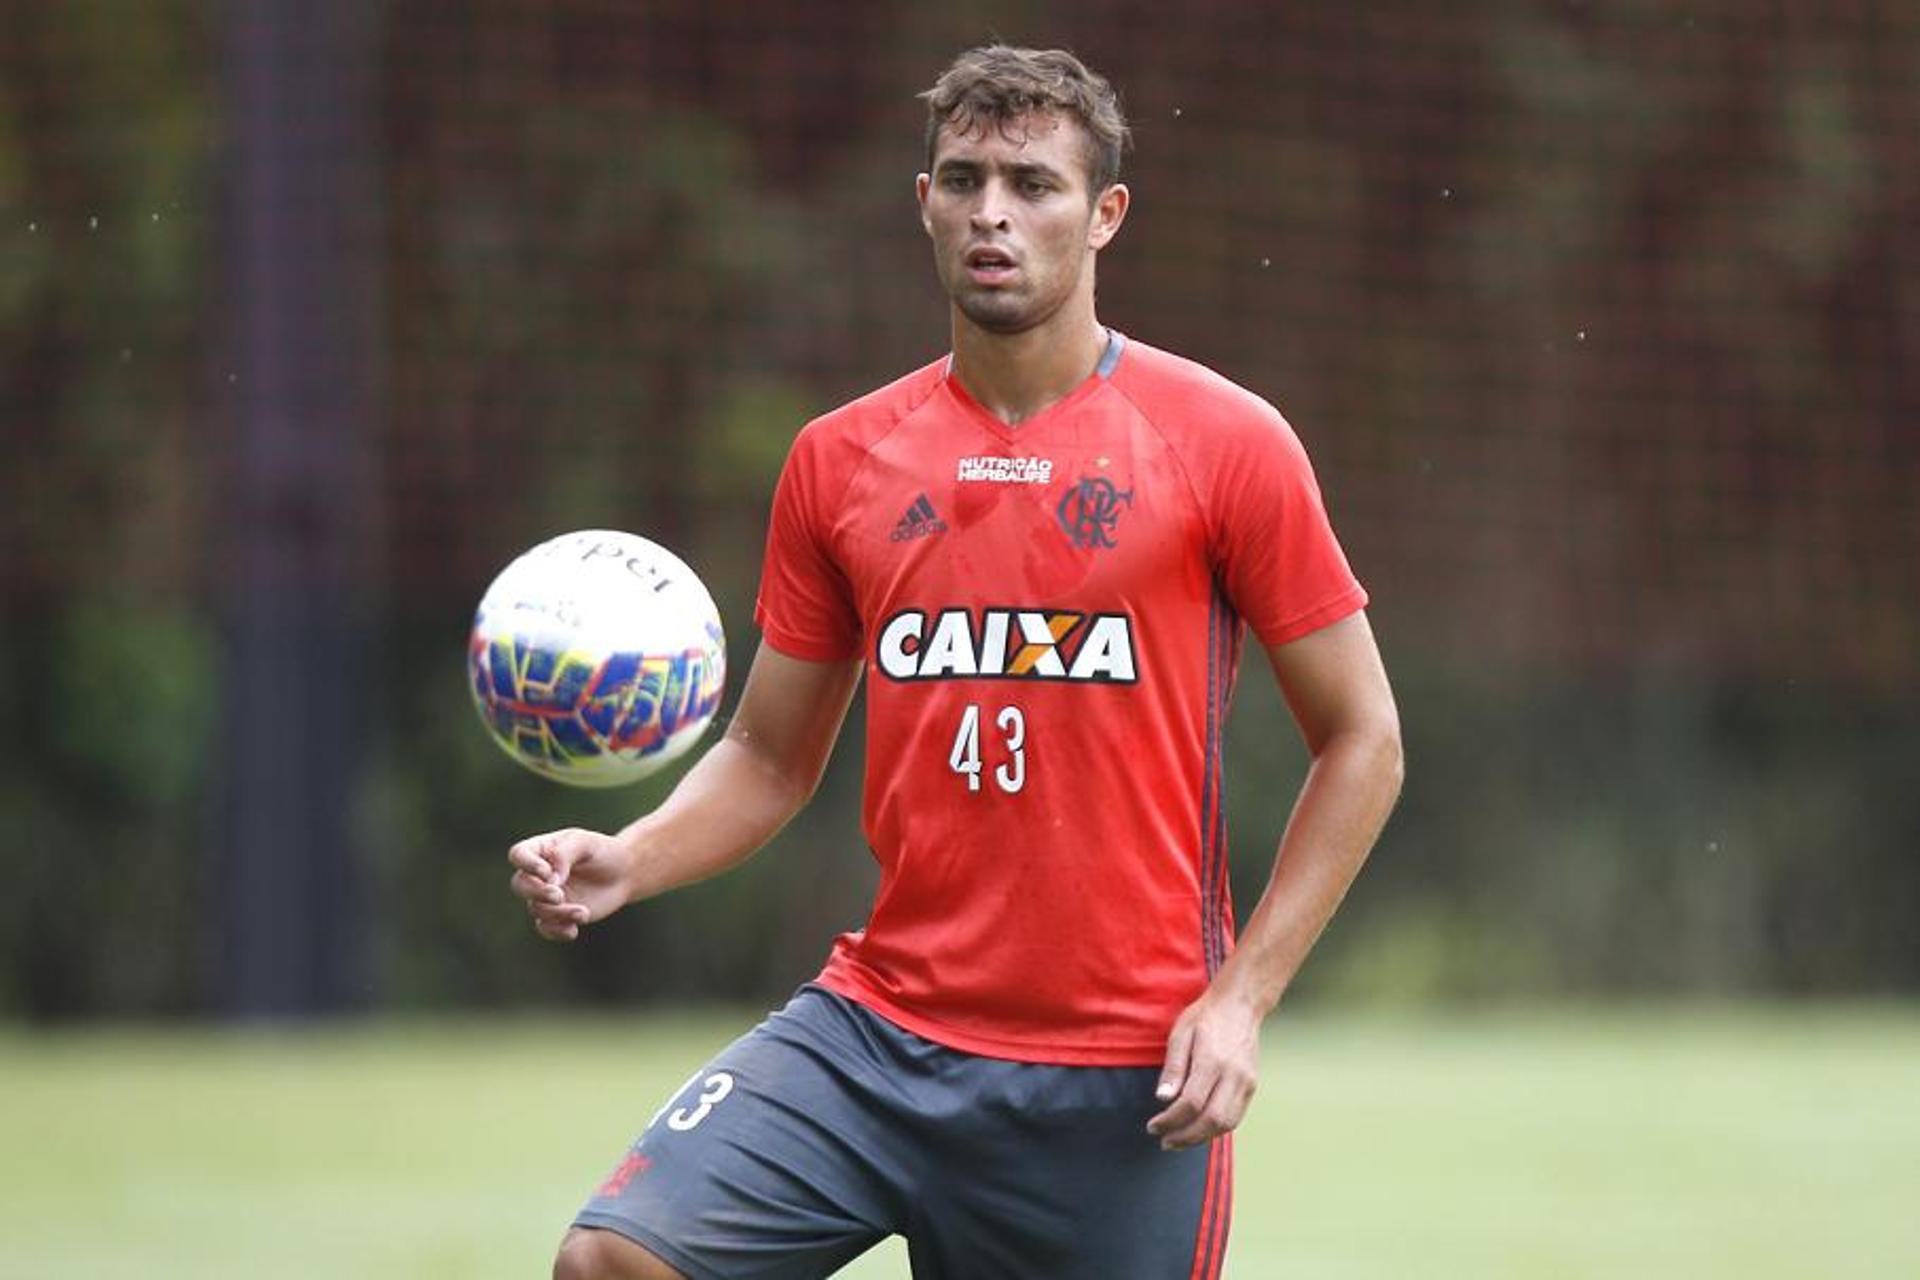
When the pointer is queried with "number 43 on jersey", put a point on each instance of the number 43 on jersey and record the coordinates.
(1010, 773)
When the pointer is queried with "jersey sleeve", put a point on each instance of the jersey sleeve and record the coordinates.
(1274, 547)
(805, 607)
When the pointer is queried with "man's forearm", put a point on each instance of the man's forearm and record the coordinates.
(728, 805)
(1343, 804)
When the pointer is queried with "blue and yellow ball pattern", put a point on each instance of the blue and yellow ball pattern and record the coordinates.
(564, 713)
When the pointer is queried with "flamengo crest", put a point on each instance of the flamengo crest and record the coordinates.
(1090, 510)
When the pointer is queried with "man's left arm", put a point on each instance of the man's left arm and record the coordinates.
(1337, 688)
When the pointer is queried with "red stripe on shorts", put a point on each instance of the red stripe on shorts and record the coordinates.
(1203, 1251)
(1224, 1210)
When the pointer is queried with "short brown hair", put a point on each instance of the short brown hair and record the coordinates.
(996, 84)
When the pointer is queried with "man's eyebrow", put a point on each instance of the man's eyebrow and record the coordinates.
(1022, 169)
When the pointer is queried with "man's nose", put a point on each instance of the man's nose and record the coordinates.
(990, 214)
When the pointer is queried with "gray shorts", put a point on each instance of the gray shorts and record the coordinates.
(826, 1129)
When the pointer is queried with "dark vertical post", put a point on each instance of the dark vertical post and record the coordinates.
(302, 255)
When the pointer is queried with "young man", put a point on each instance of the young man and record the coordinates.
(1041, 551)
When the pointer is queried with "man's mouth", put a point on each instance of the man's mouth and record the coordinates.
(989, 266)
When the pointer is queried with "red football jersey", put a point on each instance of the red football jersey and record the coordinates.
(1050, 616)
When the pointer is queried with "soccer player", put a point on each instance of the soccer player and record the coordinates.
(1042, 552)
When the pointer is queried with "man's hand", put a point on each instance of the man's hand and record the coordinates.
(568, 879)
(1212, 1069)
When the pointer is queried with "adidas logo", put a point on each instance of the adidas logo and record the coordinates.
(918, 522)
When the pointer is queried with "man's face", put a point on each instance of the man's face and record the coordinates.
(1013, 224)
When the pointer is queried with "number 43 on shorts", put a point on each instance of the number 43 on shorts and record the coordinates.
(965, 759)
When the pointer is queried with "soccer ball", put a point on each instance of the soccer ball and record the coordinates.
(596, 658)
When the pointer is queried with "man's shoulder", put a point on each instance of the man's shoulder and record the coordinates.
(1182, 397)
(861, 421)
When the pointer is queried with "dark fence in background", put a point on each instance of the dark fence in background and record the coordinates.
(1600, 319)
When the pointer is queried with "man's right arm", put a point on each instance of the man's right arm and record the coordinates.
(742, 791)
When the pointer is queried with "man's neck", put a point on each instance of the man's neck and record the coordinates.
(1016, 376)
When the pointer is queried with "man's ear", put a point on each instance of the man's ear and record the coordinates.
(1109, 211)
(921, 185)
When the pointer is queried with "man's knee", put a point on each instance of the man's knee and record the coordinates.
(591, 1254)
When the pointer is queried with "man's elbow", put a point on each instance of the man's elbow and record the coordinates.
(788, 779)
(1375, 743)
(1392, 756)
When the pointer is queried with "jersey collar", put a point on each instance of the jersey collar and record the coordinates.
(1102, 372)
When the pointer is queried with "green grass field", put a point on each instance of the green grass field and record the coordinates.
(1682, 1143)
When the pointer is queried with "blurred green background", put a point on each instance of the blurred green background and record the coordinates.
(1599, 319)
